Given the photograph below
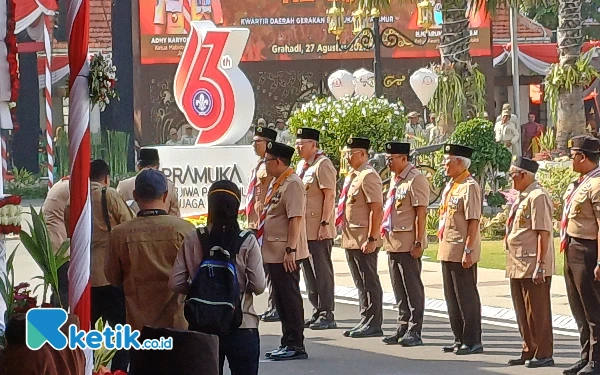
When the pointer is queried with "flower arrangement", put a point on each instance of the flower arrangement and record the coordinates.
(13, 62)
(102, 80)
(10, 215)
(24, 301)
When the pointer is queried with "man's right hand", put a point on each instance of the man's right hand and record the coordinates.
(289, 262)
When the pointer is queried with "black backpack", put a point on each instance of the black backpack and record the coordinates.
(213, 304)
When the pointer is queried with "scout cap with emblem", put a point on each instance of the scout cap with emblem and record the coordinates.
(265, 133)
(308, 133)
(397, 148)
(525, 164)
(280, 150)
(458, 150)
(584, 143)
(150, 184)
(363, 143)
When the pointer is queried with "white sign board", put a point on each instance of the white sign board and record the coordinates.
(194, 168)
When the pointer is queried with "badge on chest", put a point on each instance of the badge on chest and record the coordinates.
(400, 196)
(276, 198)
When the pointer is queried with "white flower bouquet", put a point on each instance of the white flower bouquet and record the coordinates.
(102, 80)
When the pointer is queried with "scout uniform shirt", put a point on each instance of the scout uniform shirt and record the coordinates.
(288, 202)
(118, 213)
(463, 203)
(320, 175)
(412, 191)
(127, 186)
(366, 187)
(54, 209)
(140, 257)
(263, 180)
(533, 213)
(585, 210)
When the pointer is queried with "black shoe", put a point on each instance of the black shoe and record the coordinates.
(323, 322)
(573, 370)
(270, 317)
(269, 354)
(542, 362)
(451, 348)
(411, 339)
(289, 354)
(367, 331)
(472, 349)
(517, 362)
(357, 328)
(393, 340)
(592, 368)
(312, 320)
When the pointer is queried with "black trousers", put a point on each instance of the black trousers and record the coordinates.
(405, 273)
(242, 350)
(584, 294)
(464, 304)
(108, 303)
(319, 276)
(270, 300)
(286, 288)
(363, 268)
(63, 288)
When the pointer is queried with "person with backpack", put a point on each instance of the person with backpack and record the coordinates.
(225, 267)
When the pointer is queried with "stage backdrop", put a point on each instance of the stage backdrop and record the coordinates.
(287, 29)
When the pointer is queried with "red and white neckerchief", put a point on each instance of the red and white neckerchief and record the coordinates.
(446, 194)
(252, 189)
(386, 223)
(303, 165)
(341, 207)
(273, 187)
(573, 188)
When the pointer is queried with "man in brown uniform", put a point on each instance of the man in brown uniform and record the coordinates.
(282, 236)
(404, 238)
(459, 250)
(579, 229)
(141, 255)
(319, 177)
(108, 210)
(530, 263)
(359, 215)
(54, 209)
(148, 160)
(255, 198)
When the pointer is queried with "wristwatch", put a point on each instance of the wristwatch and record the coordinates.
(324, 223)
(468, 251)
(371, 239)
(418, 244)
(289, 250)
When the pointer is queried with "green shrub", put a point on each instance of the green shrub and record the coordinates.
(556, 180)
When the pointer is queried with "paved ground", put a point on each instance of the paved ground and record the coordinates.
(331, 353)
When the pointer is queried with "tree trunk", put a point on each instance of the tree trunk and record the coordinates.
(570, 111)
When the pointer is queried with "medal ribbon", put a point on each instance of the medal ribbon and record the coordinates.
(451, 186)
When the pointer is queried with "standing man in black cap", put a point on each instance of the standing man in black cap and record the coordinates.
(359, 214)
(404, 238)
(319, 177)
(530, 263)
(148, 160)
(459, 250)
(282, 236)
(257, 191)
(579, 232)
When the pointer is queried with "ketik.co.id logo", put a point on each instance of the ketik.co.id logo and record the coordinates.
(210, 89)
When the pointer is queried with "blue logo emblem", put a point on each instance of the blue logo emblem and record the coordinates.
(202, 102)
(43, 326)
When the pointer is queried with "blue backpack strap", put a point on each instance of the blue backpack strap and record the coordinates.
(204, 238)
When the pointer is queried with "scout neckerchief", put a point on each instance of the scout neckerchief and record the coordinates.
(303, 165)
(386, 223)
(275, 184)
(341, 207)
(252, 189)
(448, 190)
(573, 188)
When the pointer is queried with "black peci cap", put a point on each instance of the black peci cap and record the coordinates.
(308, 133)
(280, 150)
(458, 150)
(363, 143)
(397, 148)
(525, 164)
(584, 143)
(149, 155)
(265, 133)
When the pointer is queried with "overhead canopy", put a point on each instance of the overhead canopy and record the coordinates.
(27, 12)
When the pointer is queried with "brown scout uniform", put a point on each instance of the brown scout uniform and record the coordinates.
(366, 187)
(318, 269)
(126, 187)
(262, 186)
(140, 257)
(460, 284)
(405, 271)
